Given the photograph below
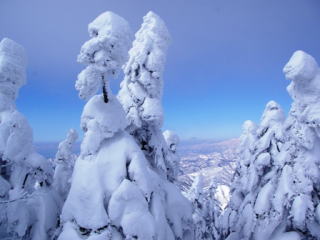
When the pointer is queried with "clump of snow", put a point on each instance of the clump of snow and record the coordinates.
(100, 121)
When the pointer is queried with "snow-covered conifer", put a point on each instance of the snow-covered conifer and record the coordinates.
(282, 197)
(249, 209)
(297, 195)
(215, 209)
(64, 161)
(141, 89)
(28, 204)
(114, 193)
(201, 209)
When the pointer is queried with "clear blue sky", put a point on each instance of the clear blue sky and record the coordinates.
(225, 60)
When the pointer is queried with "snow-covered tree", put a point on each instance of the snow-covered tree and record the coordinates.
(249, 214)
(104, 54)
(64, 162)
(279, 197)
(28, 204)
(173, 160)
(141, 89)
(115, 194)
(196, 196)
(214, 206)
(202, 209)
(297, 196)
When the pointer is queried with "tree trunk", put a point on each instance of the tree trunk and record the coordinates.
(104, 91)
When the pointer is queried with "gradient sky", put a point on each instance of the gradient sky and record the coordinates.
(224, 63)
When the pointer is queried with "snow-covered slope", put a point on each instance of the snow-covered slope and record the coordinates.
(215, 159)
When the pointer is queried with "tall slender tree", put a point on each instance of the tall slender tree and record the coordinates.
(141, 89)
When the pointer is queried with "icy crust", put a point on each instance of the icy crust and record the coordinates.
(141, 90)
(12, 67)
(115, 187)
(98, 122)
(104, 53)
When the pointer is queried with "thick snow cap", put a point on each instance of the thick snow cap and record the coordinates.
(12, 67)
(113, 31)
(108, 24)
(105, 53)
(109, 116)
(272, 114)
(301, 66)
(303, 70)
(249, 127)
(100, 121)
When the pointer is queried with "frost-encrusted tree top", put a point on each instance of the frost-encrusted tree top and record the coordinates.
(12, 67)
(65, 147)
(141, 90)
(303, 72)
(104, 53)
